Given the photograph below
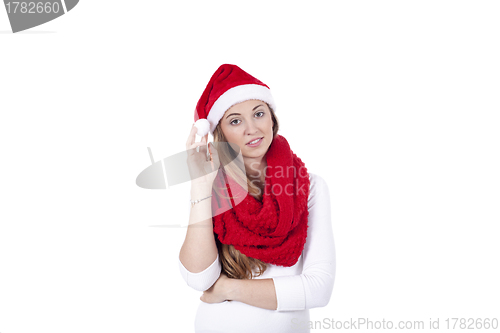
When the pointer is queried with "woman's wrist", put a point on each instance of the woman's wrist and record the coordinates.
(200, 190)
(232, 288)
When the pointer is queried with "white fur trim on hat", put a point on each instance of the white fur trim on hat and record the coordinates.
(237, 95)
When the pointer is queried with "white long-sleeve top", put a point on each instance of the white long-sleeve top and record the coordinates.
(305, 285)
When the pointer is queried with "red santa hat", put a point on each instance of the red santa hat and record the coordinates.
(228, 86)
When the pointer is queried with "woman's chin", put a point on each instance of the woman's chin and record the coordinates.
(255, 152)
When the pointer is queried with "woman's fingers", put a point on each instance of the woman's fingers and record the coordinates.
(212, 151)
(192, 137)
(214, 154)
(197, 144)
(192, 148)
(191, 144)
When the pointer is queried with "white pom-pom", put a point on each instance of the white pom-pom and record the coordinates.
(203, 127)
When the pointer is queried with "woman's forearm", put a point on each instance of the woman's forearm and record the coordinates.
(257, 292)
(199, 249)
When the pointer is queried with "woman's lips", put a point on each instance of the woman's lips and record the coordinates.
(255, 144)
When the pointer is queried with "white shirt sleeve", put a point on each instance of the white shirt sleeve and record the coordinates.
(203, 280)
(313, 288)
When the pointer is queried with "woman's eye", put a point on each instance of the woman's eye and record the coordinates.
(260, 112)
(233, 122)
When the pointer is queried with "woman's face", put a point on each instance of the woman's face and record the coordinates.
(244, 123)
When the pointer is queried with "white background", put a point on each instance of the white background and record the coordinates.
(394, 103)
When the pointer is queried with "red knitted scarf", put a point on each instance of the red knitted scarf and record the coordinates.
(273, 230)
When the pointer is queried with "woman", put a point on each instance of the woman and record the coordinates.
(259, 242)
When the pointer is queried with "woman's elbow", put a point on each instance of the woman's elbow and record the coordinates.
(319, 290)
(327, 295)
(201, 284)
(201, 281)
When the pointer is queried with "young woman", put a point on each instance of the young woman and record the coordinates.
(259, 242)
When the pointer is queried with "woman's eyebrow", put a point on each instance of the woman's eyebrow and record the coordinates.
(232, 114)
(237, 114)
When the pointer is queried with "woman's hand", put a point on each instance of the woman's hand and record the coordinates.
(219, 291)
(201, 170)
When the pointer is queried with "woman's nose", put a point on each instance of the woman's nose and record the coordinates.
(251, 128)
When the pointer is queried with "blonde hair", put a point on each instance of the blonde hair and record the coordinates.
(234, 263)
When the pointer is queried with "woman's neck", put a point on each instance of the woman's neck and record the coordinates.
(256, 169)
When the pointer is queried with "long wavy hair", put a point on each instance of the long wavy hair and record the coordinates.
(234, 263)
